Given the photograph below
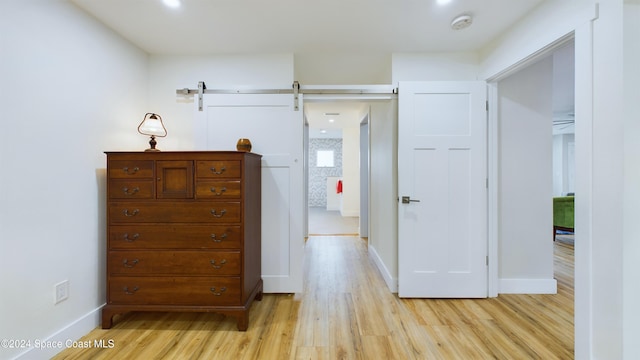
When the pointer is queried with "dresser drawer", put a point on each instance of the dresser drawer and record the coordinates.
(141, 236)
(218, 169)
(130, 169)
(218, 189)
(171, 212)
(197, 291)
(204, 263)
(131, 189)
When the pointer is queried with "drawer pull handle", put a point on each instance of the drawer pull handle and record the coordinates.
(133, 291)
(126, 170)
(213, 263)
(131, 238)
(222, 289)
(215, 239)
(133, 213)
(213, 170)
(213, 190)
(130, 264)
(213, 212)
(132, 192)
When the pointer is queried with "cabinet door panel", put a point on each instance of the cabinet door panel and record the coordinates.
(175, 179)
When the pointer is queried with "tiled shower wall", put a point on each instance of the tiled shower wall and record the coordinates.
(318, 176)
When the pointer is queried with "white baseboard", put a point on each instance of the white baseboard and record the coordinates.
(528, 286)
(391, 282)
(65, 337)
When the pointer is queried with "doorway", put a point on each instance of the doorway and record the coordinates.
(335, 155)
(528, 101)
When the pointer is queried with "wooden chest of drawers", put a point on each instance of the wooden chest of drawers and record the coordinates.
(183, 233)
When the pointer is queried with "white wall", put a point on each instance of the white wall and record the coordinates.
(552, 20)
(342, 68)
(525, 225)
(435, 66)
(631, 245)
(350, 199)
(563, 164)
(364, 178)
(383, 219)
(168, 73)
(69, 90)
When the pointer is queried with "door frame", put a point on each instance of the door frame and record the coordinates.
(493, 133)
(330, 94)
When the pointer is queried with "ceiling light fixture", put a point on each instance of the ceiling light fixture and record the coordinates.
(172, 3)
(461, 22)
(443, 2)
(331, 120)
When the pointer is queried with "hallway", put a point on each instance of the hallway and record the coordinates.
(324, 222)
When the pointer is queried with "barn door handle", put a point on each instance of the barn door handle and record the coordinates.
(407, 200)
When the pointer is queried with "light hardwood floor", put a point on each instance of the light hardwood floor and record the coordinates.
(347, 312)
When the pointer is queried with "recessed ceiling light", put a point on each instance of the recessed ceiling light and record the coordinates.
(443, 2)
(331, 120)
(172, 3)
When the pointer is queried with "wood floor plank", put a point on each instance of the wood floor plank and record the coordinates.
(347, 312)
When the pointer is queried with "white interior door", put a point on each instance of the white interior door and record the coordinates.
(276, 132)
(442, 171)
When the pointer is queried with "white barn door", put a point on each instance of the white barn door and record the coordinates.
(276, 132)
(442, 172)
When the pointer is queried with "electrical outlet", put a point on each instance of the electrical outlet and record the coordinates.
(61, 291)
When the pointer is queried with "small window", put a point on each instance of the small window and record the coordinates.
(325, 158)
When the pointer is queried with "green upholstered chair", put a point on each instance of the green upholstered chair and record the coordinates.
(562, 214)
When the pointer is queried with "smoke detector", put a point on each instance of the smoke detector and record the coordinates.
(461, 22)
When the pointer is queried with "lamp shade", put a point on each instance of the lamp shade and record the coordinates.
(152, 125)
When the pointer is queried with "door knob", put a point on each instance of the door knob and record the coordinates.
(407, 199)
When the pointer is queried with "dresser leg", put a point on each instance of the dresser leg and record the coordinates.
(107, 318)
(243, 321)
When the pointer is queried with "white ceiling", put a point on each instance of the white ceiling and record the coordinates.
(201, 27)
(298, 26)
